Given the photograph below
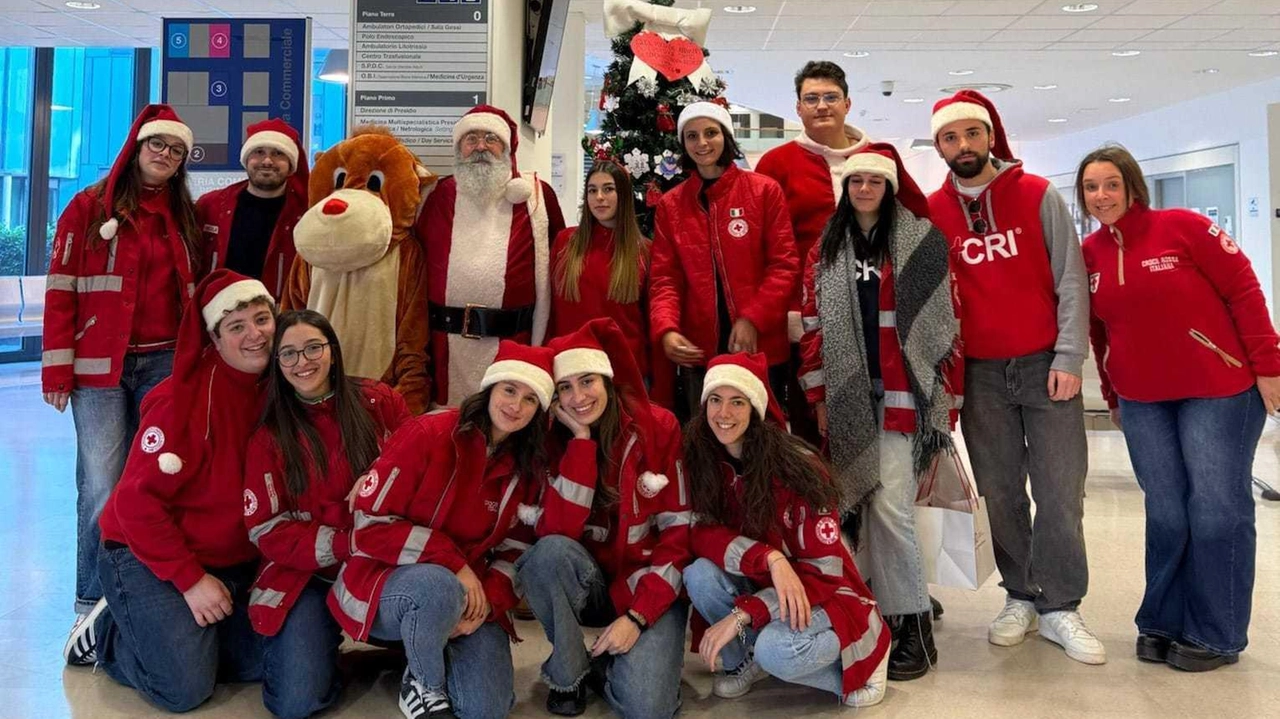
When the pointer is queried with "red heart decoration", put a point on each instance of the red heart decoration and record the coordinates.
(675, 58)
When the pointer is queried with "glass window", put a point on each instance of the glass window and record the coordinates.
(328, 107)
(16, 81)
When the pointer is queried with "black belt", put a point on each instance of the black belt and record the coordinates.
(477, 321)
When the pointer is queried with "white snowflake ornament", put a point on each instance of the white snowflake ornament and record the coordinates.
(647, 87)
(668, 165)
(637, 162)
(609, 104)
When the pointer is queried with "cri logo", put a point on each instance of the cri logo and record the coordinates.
(985, 249)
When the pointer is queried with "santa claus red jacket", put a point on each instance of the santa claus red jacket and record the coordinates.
(93, 291)
(215, 211)
(310, 534)
(748, 232)
(433, 497)
(810, 540)
(1177, 309)
(646, 547)
(179, 523)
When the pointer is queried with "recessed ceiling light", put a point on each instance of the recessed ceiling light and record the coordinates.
(1119, 99)
(1264, 53)
(1208, 71)
(960, 73)
(83, 5)
(983, 87)
(1057, 119)
(921, 143)
(1126, 53)
(857, 53)
(1080, 7)
(1011, 135)
(879, 119)
(739, 9)
(913, 100)
(1050, 86)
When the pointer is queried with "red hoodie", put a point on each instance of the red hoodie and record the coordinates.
(1177, 311)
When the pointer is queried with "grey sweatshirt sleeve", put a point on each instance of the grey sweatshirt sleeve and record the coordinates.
(1070, 282)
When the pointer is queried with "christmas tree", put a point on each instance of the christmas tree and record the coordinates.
(640, 100)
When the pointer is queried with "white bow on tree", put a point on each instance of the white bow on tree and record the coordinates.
(668, 23)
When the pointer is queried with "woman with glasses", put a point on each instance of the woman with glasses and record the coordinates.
(881, 367)
(125, 262)
(320, 430)
(725, 267)
(1190, 367)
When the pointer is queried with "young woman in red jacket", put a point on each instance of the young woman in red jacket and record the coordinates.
(124, 265)
(320, 430)
(613, 535)
(601, 267)
(772, 577)
(724, 259)
(431, 561)
(1190, 367)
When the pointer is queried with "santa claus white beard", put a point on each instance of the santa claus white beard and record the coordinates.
(481, 174)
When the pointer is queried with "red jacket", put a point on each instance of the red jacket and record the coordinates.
(646, 546)
(748, 232)
(178, 524)
(312, 534)
(432, 485)
(93, 291)
(810, 539)
(1177, 311)
(215, 211)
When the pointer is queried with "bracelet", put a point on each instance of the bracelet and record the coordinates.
(635, 619)
(743, 621)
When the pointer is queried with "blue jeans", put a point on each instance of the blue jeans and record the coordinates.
(300, 663)
(106, 421)
(810, 657)
(1194, 462)
(893, 551)
(567, 590)
(420, 606)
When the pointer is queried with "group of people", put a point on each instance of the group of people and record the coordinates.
(626, 428)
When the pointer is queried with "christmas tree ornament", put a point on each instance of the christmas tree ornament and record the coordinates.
(670, 42)
(637, 163)
(652, 194)
(666, 121)
(647, 87)
(668, 165)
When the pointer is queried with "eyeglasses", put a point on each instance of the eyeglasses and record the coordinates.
(477, 137)
(289, 357)
(975, 216)
(811, 101)
(158, 146)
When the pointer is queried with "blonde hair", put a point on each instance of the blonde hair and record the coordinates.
(629, 245)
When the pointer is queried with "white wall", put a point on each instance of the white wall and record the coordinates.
(506, 68)
(567, 114)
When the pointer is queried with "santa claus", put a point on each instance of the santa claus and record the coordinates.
(487, 233)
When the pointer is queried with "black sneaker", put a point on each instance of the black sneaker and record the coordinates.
(81, 648)
(568, 704)
(417, 702)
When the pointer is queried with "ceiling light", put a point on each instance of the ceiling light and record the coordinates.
(913, 100)
(83, 5)
(1264, 53)
(60, 108)
(335, 67)
(1057, 119)
(1080, 7)
(1208, 71)
(1126, 53)
(1050, 86)
(857, 54)
(984, 87)
(960, 73)
(921, 143)
(739, 9)
(1119, 99)
(879, 119)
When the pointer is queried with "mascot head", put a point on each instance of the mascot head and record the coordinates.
(364, 195)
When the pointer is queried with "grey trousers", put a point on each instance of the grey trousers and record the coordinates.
(1012, 428)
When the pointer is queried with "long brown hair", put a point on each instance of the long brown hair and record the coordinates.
(605, 431)
(285, 416)
(1135, 186)
(768, 453)
(528, 447)
(129, 188)
(629, 245)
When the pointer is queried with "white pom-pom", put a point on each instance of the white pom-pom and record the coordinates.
(651, 484)
(528, 514)
(518, 190)
(109, 228)
(170, 463)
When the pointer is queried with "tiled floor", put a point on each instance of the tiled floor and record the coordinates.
(973, 679)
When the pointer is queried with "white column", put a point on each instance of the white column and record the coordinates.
(568, 114)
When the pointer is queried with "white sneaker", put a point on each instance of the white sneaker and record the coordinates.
(737, 682)
(81, 648)
(873, 693)
(418, 702)
(1067, 630)
(1013, 624)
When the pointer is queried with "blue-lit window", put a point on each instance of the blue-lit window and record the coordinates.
(328, 107)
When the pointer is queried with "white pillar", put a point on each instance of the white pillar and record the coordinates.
(567, 114)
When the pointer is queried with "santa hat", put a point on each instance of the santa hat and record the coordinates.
(709, 110)
(154, 120)
(215, 296)
(274, 134)
(882, 158)
(521, 363)
(749, 374)
(488, 118)
(971, 105)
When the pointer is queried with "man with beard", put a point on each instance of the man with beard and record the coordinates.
(487, 233)
(1024, 322)
(248, 226)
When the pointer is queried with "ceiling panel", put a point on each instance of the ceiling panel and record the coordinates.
(1166, 7)
(1052, 22)
(1225, 22)
(912, 7)
(1112, 36)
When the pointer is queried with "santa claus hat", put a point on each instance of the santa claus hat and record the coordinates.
(882, 158)
(749, 374)
(156, 119)
(488, 118)
(215, 296)
(521, 363)
(273, 134)
(709, 110)
(971, 105)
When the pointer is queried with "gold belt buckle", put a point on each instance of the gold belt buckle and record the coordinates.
(466, 321)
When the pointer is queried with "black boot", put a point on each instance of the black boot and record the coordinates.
(913, 652)
(568, 704)
(937, 608)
